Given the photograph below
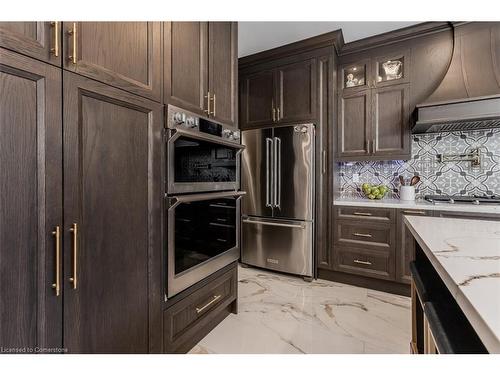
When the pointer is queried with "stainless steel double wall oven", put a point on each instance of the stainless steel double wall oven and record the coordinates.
(203, 198)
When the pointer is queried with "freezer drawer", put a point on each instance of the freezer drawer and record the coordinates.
(280, 245)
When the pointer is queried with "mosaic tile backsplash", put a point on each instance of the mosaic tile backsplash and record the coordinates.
(452, 178)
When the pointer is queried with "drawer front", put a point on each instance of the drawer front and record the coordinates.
(365, 234)
(366, 214)
(364, 262)
(184, 319)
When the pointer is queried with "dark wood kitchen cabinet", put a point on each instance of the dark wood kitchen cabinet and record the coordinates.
(112, 215)
(284, 94)
(200, 70)
(186, 65)
(223, 71)
(364, 241)
(30, 202)
(296, 92)
(257, 99)
(354, 125)
(126, 55)
(374, 109)
(40, 40)
(405, 251)
(391, 122)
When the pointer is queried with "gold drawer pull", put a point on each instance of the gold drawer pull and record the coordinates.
(362, 235)
(57, 284)
(74, 229)
(362, 213)
(414, 212)
(362, 262)
(213, 300)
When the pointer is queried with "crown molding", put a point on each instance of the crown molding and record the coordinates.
(336, 39)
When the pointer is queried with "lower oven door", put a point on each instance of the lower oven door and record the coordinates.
(203, 237)
(201, 162)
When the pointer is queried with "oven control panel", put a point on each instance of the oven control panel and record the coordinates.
(179, 118)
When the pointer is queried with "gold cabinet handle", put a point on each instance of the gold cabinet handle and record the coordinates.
(362, 235)
(74, 230)
(362, 213)
(274, 114)
(215, 105)
(278, 114)
(362, 262)
(55, 49)
(408, 212)
(72, 33)
(212, 301)
(57, 285)
(207, 111)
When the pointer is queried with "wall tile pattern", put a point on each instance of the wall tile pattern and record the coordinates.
(452, 178)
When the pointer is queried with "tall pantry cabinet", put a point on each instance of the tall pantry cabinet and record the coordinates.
(80, 258)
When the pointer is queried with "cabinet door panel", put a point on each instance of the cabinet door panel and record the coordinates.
(405, 252)
(296, 91)
(34, 39)
(30, 201)
(186, 64)
(391, 121)
(354, 125)
(126, 55)
(222, 68)
(111, 188)
(256, 99)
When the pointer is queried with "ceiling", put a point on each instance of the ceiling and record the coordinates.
(255, 37)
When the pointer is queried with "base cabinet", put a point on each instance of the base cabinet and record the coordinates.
(194, 315)
(405, 252)
(374, 243)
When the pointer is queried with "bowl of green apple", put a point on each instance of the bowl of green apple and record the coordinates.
(374, 191)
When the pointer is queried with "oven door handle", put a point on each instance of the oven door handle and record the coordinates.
(204, 137)
(201, 197)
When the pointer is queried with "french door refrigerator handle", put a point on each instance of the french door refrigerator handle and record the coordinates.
(269, 178)
(277, 172)
(273, 224)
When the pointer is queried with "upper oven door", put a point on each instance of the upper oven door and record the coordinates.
(200, 162)
(203, 237)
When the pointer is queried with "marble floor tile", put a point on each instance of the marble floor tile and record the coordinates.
(283, 314)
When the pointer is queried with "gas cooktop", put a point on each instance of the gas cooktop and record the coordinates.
(465, 199)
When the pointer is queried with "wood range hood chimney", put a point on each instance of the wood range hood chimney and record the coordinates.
(468, 97)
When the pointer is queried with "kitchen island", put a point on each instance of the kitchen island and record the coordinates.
(465, 256)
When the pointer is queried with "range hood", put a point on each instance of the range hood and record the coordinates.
(468, 97)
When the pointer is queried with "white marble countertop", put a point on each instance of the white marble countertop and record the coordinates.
(419, 204)
(466, 255)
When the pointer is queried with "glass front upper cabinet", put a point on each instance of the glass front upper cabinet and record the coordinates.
(354, 75)
(390, 70)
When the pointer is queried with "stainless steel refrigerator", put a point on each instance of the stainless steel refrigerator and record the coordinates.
(278, 210)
